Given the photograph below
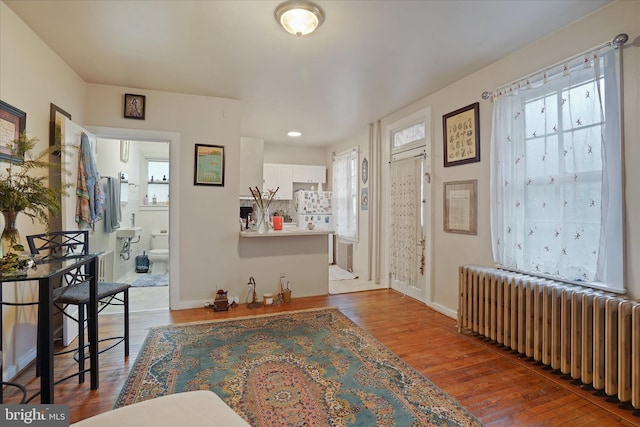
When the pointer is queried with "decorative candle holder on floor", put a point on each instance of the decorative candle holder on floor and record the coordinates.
(254, 302)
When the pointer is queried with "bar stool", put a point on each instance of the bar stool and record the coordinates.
(75, 290)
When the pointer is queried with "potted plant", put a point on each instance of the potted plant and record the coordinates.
(24, 191)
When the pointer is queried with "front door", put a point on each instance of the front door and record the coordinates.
(410, 224)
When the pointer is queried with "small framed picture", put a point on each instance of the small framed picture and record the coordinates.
(462, 136)
(364, 199)
(209, 165)
(134, 106)
(56, 119)
(460, 207)
(365, 170)
(12, 125)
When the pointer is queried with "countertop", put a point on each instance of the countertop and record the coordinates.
(286, 232)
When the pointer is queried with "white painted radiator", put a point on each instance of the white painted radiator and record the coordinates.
(105, 266)
(591, 335)
(344, 255)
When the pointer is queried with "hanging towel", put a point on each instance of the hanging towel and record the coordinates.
(90, 197)
(112, 212)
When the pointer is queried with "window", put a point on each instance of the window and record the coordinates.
(556, 194)
(408, 135)
(157, 182)
(345, 194)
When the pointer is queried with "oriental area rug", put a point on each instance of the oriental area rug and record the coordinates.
(303, 368)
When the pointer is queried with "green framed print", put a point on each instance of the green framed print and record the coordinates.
(209, 165)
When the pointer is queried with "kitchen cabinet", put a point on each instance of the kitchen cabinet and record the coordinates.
(310, 174)
(278, 175)
(251, 159)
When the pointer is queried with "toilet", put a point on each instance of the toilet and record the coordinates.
(159, 253)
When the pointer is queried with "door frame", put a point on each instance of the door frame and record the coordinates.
(388, 129)
(174, 167)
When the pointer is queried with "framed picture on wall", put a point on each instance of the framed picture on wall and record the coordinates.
(365, 170)
(462, 136)
(12, 123)
(209, 165)
(364, 199)
(56, 118)
(134, 106)
(460, 207)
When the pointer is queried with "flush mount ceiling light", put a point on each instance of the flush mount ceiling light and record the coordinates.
(294, 133)
(299, 17)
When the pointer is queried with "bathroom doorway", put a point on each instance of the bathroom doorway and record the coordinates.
(143, 172)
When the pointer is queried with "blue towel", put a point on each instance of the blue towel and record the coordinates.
(112, 212)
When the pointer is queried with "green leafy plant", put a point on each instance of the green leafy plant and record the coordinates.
(13, 263)
(24, 190)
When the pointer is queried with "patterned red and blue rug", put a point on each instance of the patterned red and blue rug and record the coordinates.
(304, 368)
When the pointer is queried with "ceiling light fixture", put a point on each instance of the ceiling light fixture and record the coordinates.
(299, 17)
(294, 133)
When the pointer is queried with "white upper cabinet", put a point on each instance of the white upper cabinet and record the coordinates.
(251, 158)
(282, 175)
(278, 175)
(310, 174)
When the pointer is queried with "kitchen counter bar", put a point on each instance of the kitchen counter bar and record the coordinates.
(302, 255)
(286, 232)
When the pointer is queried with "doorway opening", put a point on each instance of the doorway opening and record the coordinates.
(143, 167)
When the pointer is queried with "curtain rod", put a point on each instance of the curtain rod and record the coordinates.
(617, 41)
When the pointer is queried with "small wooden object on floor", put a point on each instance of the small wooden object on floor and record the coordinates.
(221, 303)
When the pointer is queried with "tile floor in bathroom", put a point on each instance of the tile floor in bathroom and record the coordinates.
(143, 299)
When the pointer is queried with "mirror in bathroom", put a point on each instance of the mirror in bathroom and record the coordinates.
(124, 187)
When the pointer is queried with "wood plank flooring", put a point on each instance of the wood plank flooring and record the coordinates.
(497, 386)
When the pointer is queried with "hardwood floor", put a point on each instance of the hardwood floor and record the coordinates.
(498, 387)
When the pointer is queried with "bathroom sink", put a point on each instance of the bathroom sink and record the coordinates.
(127, 232)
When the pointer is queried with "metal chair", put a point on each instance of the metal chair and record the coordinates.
(75, 289)
(3, 384)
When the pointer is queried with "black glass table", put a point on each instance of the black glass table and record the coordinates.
(48, 273)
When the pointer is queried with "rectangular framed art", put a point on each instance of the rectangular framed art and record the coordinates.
(134, 106)
(209, 165)
(56, 119)
(462, 136)
(460, 207)
(12, 123)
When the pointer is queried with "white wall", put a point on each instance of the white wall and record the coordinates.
(31, 78)
(451, 250)
(293, 154)
(203, 219)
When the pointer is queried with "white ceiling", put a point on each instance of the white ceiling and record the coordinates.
(367, 60)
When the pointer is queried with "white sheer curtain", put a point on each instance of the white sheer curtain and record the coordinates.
(405, 219)
(556, 202)
(345, 188)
